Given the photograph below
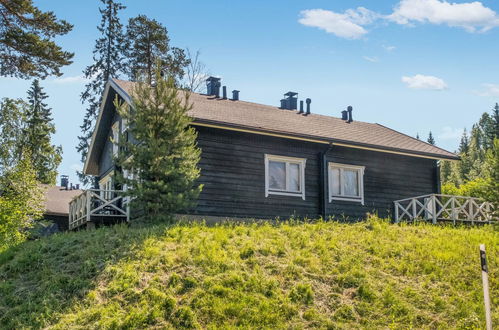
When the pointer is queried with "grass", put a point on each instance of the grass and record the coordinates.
(324, 274)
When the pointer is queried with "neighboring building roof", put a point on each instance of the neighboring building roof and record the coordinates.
(57, 199)
(241, 114)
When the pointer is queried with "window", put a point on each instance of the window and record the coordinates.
(284, 176)
(346, 182)
(115, 137)
(105, 185)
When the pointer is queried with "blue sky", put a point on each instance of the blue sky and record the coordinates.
(412, 65)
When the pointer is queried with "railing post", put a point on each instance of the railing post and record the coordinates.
(88, 205)
(453, 210)
(414, 210)
(396, 212)
(470, 210)
(434, 208)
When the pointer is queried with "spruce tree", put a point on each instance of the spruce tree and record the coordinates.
(27, 48)
(492, 171)
(464, 145)
(161, 166)
(45, 157)
(108, 63)
(445, 171)
(417, 136)
(148, 43)
(431, 140)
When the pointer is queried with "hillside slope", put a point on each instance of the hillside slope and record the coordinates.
(365, 275)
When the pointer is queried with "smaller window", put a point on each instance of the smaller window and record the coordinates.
(115, 138)
(346, 182)
(284, 176)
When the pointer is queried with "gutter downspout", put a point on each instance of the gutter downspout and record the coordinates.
(323, 184)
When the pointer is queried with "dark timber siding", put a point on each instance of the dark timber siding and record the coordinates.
(233, 175)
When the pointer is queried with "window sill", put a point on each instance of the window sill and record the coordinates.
(283, 193)
(346, 199)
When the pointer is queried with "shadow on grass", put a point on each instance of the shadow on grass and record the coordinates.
(40, 280)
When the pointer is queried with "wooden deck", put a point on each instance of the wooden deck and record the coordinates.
(438, 207)
(97, 206)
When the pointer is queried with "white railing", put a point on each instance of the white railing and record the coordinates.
(93, 203)
(438, 207)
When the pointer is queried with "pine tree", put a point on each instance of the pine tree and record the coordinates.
(161, 167)
(445, 171)
(108, 63)
(492, 172)
(45, 157)
(464, 145)
(495, 120)
(27, 48)
(431, 140)
(148, 43)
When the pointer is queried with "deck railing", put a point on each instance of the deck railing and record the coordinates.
(96, 203)
(438, 207)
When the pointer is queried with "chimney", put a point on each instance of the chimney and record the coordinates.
(350, 118)
(64, 181)
(308, 101)
(213, 86)
(235, 95)
(224, 92)
(290, 101)
(77, 186)
(301, 107)
(344, 115)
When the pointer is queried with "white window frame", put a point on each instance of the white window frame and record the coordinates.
(342, 197)
(106, 184)
(287, 160)
(115, 137)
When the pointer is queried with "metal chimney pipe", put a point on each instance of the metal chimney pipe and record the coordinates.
(224, 92)
(235, 95)
(301, 107)
(308, 101)
(344, 115)
(350, 117)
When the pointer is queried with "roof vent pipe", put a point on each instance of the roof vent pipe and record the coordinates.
(301, 107)
(308, 101)
(224, 92)
(344, 115)
(350, 117)
(235, 95)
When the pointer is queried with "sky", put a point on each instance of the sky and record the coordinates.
(413, 65)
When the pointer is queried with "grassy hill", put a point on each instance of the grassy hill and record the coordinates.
(330, 275)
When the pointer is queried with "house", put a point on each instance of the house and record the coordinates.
(261, 161)
(56, 202)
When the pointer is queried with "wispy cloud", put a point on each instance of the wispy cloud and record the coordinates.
(351, 24)
(420, 81)
(348, 25)
(449, 133)
(389, 48)
(70, 80)
(373, 59)
(488, 90)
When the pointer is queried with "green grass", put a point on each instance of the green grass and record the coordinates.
(324, 274)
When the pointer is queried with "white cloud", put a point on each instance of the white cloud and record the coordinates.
(489, 90)
(449, 133)
(471, 16)
(420, 81)
(389, 48)
(373, 59)
(70, 80)
(348, 25)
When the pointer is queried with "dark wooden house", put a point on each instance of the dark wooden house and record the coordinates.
(261, 161)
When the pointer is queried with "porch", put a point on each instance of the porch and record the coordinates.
(448, 208)
(98, 206)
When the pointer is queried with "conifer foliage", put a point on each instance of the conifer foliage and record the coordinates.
(160, 162)
(431, 139)
(45, 157)
(108, 63)
(27, 48)
(148, 43)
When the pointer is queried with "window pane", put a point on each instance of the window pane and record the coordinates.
(335, 180)
(350, 182)
(294, 177)
(277, 175)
